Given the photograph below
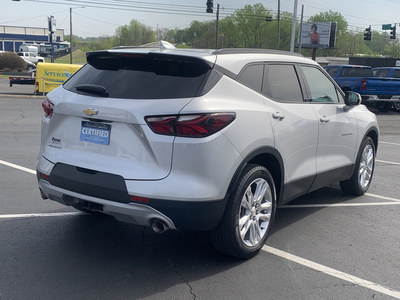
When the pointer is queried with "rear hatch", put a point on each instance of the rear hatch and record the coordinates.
(98, 122)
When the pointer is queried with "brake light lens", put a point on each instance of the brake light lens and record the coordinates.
(48, 107)
(196, 125)
(363, 84)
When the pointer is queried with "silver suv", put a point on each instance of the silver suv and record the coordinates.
(202, 139)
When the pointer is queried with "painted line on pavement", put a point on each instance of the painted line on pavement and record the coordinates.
(332, 272)
(17, 167)
(20, 216)
(339, 205)
(387, 162)
(380, 142)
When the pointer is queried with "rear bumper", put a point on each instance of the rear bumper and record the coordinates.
(183, 215)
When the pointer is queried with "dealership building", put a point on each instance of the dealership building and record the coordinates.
(11, 37)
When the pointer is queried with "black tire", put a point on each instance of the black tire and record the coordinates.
(396, 106)
(256, 215)
(29, 68)
(383, 106)
(360, 181)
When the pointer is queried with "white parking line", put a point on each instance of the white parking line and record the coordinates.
(339, 205)
(17, 167)
(387, 162)
(382, 197)
(394, 201)
(332, 272)
(380, 142)
(20, 216)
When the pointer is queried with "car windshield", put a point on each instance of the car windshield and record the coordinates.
(141, 76)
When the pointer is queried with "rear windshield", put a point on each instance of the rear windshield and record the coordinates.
(140, 76)
(357, 72)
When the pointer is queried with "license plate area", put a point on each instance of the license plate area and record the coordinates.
(97, 133)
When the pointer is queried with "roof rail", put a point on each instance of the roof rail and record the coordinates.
(254, 50)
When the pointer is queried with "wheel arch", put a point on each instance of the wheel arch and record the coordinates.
(269, 158)
(373, 134)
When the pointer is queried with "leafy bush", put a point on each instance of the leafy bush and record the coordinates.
(11, 61)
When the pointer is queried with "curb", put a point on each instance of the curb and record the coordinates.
(21, 96)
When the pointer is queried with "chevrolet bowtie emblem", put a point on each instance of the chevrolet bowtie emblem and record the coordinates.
(91, 112)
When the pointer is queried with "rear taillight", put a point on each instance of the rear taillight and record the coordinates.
(47, 107)
(198, 125)
(363, 84)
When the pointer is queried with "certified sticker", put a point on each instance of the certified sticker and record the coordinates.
(97, 133)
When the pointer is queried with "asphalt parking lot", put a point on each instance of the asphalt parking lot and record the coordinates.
(323, 246)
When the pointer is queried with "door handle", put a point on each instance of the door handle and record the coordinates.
(278, 116)
(324, 119)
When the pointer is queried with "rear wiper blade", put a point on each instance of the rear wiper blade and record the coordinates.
(93, 89)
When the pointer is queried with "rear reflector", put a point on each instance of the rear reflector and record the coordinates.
(196, 125)
(139, 199)
(44, 176)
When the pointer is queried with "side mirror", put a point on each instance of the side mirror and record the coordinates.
(352, 98)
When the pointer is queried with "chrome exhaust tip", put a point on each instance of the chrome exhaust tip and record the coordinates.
(159, 226)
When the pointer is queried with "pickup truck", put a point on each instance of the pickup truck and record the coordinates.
(382, 92)
(392, 72)
(29, 56)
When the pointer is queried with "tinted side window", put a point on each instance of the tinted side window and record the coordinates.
(332, 71)
(383, 73)
(396, 74)
(252, 76)
(321, 88)
(281, 83)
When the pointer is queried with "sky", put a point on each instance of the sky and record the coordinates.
(93, 18)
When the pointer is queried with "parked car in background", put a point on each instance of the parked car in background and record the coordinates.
(202, 140)
(31, 57)
(381, 92)
(29, 65)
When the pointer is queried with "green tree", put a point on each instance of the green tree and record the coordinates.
(393, 49)
(134, 34)
(252, 26)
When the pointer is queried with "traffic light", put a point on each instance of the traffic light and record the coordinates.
(367, 33)
(393, 32)
(268, 18)
(210, 5)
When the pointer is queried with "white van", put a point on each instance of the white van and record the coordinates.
(29, 48)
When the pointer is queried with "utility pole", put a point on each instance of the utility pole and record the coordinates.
(293, 26)
(301, 27)
(216, 34)
(278, 34)
(52, 35)
(70, 35)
